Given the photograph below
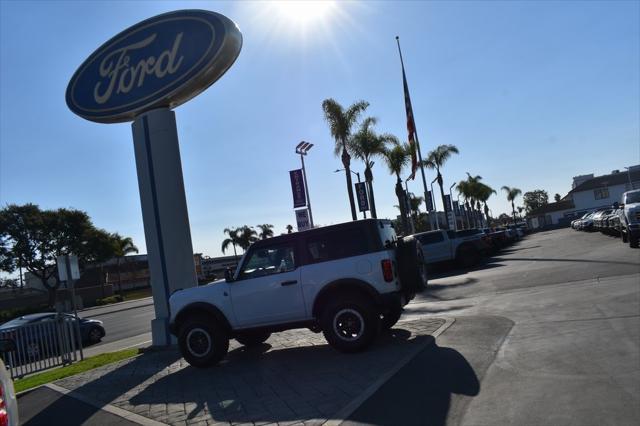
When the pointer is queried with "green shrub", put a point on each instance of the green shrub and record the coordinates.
(9, 314)
(108, 300)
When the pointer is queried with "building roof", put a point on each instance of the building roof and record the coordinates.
(552, 207)
(620, 178)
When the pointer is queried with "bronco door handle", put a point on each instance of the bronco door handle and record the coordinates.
(292, 282)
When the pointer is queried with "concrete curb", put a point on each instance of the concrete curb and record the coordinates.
(117, 304)
(132, 417)
(350, 408)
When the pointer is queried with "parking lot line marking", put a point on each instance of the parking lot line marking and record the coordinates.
(132, 417)
(350, 408)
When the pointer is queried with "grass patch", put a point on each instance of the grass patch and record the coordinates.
(79, 367)
(137, 294)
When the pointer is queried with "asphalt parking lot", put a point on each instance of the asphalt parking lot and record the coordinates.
(546, 332)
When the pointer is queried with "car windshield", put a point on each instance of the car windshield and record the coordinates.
(15, 322)
(632, 198)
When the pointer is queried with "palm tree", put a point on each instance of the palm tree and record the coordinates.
(233, 240)
(341, 122)
(365, 144)
(289, 229)
(246, 236)
(484, 193)
(396, 158)
(435, 160)
(520, 210)
(465, 189)
(512, 194)
(123, 246)
(266, 231)
(471, 191)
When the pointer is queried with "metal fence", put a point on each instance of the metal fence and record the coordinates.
(42, 345)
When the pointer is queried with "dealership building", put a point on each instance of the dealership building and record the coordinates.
(588, 193)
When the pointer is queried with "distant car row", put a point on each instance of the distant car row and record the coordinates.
(466, 247)
(621, 220)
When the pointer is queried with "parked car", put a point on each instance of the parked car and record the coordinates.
(464, 247)
(575, 224)
(347, 280)
(31, 344)
(586, 224)
(629, 217)
(8, 401)
(598, 223)
(610, 223)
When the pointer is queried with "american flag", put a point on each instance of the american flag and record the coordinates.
(411, 126)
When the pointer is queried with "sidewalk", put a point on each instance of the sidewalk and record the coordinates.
(294, 378)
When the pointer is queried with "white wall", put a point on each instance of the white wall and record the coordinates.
(586, 199)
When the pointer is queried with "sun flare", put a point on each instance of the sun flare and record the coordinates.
(301, 12)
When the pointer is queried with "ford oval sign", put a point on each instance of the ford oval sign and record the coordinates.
(161, 62)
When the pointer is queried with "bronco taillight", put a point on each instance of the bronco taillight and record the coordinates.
(4, 416)
(387, 270)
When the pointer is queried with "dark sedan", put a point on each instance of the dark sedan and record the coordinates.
(91, 331)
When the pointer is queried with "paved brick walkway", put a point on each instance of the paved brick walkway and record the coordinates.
(296, 378)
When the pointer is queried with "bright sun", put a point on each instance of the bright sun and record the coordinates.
(302, 12)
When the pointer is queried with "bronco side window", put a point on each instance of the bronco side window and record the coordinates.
(268, 260)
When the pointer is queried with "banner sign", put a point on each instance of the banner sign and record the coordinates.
(363, 200)
(447, 200)
(302, 219)
(456, 208)
(297, 187)
(429, 202)
(158, 63)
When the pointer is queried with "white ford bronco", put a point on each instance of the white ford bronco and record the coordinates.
(347, 280)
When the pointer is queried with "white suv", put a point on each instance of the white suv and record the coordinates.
(629, 215)
(347, 280)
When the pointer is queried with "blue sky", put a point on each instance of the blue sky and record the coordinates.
(532, 93)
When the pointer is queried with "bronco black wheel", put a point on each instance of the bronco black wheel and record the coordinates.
(202, 341)
(350, 324)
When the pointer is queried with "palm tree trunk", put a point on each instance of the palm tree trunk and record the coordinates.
(119, 277)
(368, 177)
(444, 203)
(513, 207)
(346, 161)
(402, 205)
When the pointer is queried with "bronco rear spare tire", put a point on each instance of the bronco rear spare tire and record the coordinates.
(411, 265)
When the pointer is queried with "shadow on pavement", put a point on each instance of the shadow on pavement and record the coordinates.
(252, 384)
(105, 388)
(533, 259)
(420, 393)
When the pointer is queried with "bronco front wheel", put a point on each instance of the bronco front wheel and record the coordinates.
(202, 341)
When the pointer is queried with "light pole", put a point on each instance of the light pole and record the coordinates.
(303, 148)
(364, 212)
(433, 201)
(453, 213)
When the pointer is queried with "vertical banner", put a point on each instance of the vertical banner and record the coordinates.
(297, 187)
(363, 200)
(429, 202)
(456, 208)
(302, 219)
(447, 200)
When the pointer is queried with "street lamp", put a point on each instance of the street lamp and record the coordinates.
(364, 213)
(303, 148)
(433, 201)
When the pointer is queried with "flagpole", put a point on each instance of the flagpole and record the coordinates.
(415, 130)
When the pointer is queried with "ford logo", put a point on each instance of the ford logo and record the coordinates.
(161, 62)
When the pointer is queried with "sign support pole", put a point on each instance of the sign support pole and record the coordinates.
(164, 213)
(306, 189)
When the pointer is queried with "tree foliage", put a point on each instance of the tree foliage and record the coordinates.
(33, 238)
(266, 231)
(535, 199)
